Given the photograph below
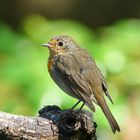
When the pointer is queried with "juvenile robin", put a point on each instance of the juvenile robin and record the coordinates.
(76, 73)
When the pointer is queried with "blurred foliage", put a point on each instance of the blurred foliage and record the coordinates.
(25, 84)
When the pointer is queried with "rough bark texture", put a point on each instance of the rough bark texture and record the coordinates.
(52, 124)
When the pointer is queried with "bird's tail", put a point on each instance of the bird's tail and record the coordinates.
(113, 123)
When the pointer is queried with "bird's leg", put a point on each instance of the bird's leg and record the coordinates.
(81, 106)
(76, 104)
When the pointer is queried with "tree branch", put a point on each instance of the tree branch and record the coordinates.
(52, 124)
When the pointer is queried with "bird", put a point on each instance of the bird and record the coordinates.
(75, 71)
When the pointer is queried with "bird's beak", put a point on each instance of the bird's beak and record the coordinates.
(46, 45)
(51, 44)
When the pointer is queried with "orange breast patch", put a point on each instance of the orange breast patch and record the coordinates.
(50, 63)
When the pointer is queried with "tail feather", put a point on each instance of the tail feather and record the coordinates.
(113, 123)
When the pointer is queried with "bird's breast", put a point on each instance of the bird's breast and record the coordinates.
(50, 64)
(59, 79)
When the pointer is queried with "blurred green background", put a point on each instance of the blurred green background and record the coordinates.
(109, 30)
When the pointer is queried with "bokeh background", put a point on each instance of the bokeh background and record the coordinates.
(109, 30)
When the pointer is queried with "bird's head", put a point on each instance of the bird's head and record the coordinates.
(61, 44)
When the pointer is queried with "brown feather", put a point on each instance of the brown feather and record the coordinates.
(102, 103)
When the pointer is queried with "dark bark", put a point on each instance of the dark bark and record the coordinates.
(52, 124)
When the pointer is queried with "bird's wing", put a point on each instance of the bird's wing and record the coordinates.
(70, 69)
(92, 73)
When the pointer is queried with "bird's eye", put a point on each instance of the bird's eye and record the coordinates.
(60, 43)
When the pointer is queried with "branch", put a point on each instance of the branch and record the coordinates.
(52, 124)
